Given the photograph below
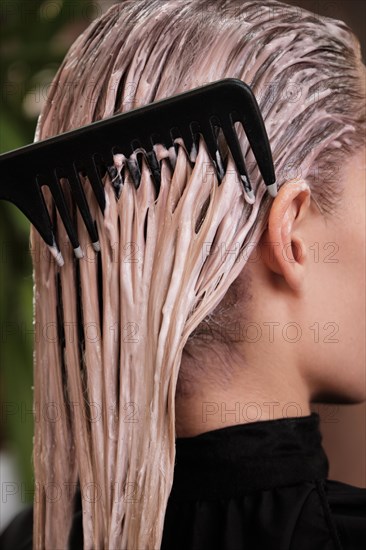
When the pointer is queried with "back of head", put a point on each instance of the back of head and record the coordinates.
(125, 319)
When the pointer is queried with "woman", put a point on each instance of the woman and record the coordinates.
(193, 345)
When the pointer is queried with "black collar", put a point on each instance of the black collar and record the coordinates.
(240, 460)
(249, 457)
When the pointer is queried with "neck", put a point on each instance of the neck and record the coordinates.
(266, 392)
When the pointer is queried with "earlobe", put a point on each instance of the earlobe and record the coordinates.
(285, 250)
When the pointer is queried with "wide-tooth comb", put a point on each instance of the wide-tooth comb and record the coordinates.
(90, 149)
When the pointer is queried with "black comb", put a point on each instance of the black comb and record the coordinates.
(202, 110)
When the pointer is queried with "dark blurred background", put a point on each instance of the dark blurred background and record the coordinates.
(35, 36)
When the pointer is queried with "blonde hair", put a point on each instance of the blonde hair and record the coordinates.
(124, 317)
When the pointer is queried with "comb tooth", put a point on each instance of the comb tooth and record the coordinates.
(195, 130)
(154, 166)
(91, 170)
(31, 202)
(209, 135)
(217, 132)
(236, 152)
(132, 162)
(139, 156)
(186, 134)
(134, 170)
(166, 138)
(43, 222)
(256, 133)
(28, 197)
(136, 144)
(107, 156)
(59, 198)
(174, 133)
(163, 137)
(103, 159)
(144, 142)
(73, 177)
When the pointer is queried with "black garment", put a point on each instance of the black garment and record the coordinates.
(256, 486)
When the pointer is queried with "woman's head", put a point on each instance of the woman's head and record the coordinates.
(134, 308)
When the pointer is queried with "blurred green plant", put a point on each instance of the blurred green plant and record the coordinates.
(35, 36)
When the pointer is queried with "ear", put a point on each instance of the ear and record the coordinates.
(282, 248)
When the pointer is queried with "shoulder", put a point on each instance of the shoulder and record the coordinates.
(18, 534)
(342, 506)
(344, 496)
(347, 505)
(332, 516)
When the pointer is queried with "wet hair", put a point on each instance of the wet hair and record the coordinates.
(105, 382)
